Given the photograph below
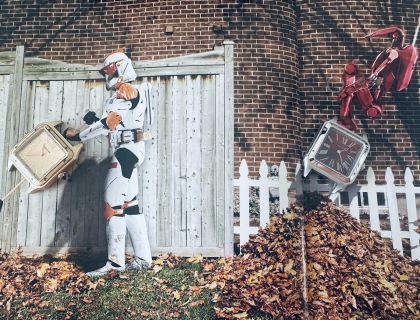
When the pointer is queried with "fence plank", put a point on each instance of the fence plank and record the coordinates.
(209, 163)
(392, 204)
(10, 217)
(180, 167)
(221, 222)
(62, 228)
(148, 170)
(194, 147)
(165, 190)
(27, 101)
(51, 111)
(410, 195)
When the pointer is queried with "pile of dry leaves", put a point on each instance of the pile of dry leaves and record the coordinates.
(22, 277)
(318, 261)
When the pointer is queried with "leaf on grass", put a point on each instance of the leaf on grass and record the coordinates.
(157, 268)
(216, 298)
(158, 280)
(60, 308)
(92, 285)
(43, 303)
(176, 295)
(196, 303)
(195, 290)
(208, 266)
(404, 277)
(195, 259)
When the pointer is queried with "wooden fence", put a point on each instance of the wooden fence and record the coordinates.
(186, 180)
(391, 204)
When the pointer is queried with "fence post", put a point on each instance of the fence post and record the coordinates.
(264, 199)
(228, 148)
(393, 210)
(410, 196)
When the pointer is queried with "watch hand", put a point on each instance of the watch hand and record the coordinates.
(339, 153)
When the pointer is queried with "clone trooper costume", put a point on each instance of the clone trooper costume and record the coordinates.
(122, 121)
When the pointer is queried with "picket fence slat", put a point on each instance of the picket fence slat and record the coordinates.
(410, 195)
(355, 194)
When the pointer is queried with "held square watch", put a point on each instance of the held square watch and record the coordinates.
(43, 155)
(336, 153)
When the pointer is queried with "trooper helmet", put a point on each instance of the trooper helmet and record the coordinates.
(116, 65)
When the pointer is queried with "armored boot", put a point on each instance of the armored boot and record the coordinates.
(137, 229)
(115, 233)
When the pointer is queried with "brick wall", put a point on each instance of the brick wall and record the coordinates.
(331, 34)
(289, 57)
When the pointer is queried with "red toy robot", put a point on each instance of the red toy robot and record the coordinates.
(392, 69)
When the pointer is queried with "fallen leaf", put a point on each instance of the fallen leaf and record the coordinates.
(196, 303)
(157, 268)
(40, 272)
(60, 308)
(176, 295)
(240, 315)
(212, 285)
(195, 259)
(288, 267)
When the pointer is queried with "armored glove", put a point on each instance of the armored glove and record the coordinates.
(90, 118)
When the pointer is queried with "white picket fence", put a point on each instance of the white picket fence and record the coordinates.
(367, 195)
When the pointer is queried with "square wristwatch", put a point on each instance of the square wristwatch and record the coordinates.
(43, 155)
(336, 153)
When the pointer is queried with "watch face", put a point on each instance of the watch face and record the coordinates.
(339, 151)
(41, 153)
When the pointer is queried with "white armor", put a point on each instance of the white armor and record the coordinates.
(126, 137)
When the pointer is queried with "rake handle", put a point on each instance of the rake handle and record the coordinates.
(10, 192)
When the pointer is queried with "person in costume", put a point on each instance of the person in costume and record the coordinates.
(122, 122)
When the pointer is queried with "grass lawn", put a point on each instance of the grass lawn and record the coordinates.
(168, 291)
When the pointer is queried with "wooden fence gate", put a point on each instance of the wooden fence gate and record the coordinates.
(186, 180)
